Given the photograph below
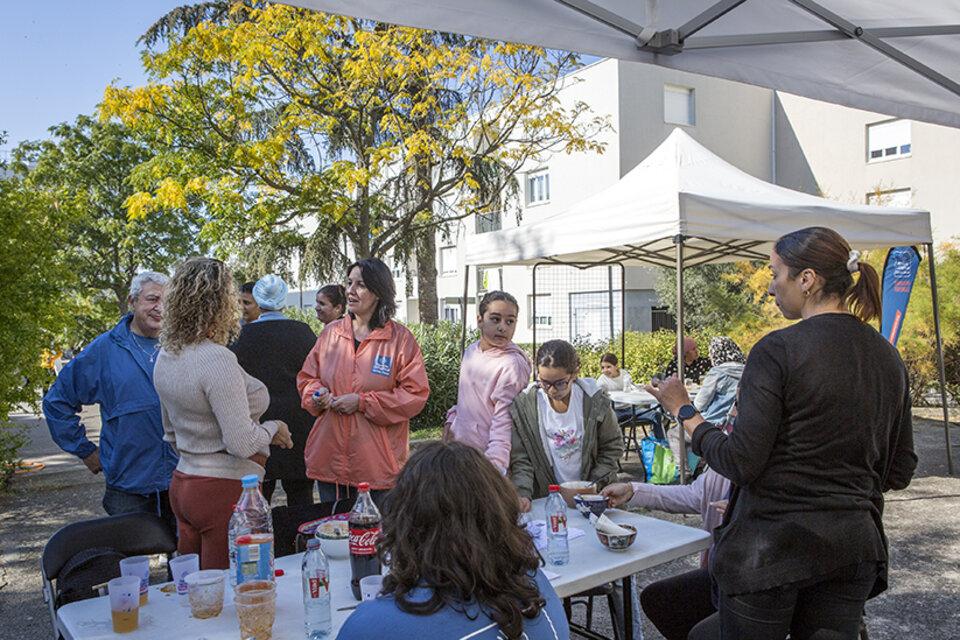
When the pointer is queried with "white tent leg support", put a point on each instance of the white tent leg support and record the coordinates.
(943, 376)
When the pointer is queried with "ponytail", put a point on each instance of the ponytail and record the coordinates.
(863, 296)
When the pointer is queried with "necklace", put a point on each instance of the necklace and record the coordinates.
(149, 354)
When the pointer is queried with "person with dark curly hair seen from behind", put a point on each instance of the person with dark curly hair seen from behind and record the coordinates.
(210, 408)
(824, 428)
(459, 564)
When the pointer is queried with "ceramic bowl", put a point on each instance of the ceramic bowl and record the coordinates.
(587, 503)
(574, 487)
(333, 532)
(618, 542)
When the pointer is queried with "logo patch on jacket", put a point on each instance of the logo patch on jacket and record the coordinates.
(381, 365)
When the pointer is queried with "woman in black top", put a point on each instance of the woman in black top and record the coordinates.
(824, 429)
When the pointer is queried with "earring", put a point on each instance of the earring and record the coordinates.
(806, 293)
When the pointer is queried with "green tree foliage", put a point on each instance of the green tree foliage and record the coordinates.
(35, 276)
(85, 168)
(321, 127)
(715, 296)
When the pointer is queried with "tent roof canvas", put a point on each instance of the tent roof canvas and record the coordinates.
(681, 188)
(887, 56)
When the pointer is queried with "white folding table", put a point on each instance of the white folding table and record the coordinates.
(591, 565)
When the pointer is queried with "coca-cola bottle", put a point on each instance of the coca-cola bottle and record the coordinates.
(364, 532)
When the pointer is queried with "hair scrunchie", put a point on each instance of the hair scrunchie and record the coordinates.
(853, 262)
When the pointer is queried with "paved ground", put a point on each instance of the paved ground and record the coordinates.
(923, 524)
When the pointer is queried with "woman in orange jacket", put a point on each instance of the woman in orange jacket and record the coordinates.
(364, 380)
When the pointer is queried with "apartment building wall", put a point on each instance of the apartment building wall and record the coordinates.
(831, 141)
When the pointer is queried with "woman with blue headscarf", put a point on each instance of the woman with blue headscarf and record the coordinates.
(272, 349)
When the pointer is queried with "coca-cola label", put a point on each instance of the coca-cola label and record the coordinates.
(363, 542)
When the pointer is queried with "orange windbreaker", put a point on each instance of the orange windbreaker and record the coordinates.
(387, 372)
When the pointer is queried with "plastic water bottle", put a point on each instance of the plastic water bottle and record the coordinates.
(315, 571)
(252, 534)
(233, 530)
(558, 549)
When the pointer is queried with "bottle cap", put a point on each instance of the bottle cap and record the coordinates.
(364, 486)
(312, 543)
(554, 488)
(278, 573)
(250, 481)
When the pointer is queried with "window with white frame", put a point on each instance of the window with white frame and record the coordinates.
(543, 315)
(451, 312)
(448, 260)
(888, 140)
(679, 105)
(489, 279)
(487, 222)
(538, 187)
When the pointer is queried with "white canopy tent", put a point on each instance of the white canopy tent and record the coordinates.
(888, 56)
(684, 206)
(681, 188)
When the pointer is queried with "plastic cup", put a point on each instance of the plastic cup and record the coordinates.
(256, 603)
(138, 566)
(370, 587)
(124, 603)
(180, 567)
(205, 592)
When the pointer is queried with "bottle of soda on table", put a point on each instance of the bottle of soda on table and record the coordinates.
(558, 549)
(315, 572)
(251, 534)
(364, 523)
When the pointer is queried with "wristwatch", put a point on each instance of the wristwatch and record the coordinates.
(686, 412)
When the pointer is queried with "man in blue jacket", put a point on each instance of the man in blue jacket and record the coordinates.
(116, 372)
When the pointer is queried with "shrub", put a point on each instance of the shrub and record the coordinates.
(309, 317)
(440, 346)
(644, 353)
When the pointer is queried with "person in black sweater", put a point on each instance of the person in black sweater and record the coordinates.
(824, 429)
(272, 349)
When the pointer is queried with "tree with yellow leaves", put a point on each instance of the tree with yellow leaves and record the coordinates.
(300, 130)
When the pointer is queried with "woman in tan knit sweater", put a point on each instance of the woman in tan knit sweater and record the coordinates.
(210, 407)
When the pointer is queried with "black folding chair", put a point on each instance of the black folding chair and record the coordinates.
(130, 534)
(288, 518)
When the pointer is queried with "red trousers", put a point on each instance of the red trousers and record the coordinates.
(203, 507)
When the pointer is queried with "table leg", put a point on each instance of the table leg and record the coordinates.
(627, 607)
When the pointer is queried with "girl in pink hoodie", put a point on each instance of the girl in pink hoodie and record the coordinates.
(493, 371)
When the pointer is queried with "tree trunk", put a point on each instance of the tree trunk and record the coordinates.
(427, 275)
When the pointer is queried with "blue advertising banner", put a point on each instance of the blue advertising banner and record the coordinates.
(899, 272)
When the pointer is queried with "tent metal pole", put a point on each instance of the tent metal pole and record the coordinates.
(678, 240)
(533, 304)
(623, 313)
(463, 309)
(943, 377)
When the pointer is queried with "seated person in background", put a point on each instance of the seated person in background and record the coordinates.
(719, 389)
(706, 495)
(694, 365)
(460, 565)
(583, 440)
(613, 379)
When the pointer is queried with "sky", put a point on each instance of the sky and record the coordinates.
(57, 57)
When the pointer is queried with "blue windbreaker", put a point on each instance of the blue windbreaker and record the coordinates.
(134, 457)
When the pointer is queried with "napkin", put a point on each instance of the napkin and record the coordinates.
(538, 531)
(608, 526)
